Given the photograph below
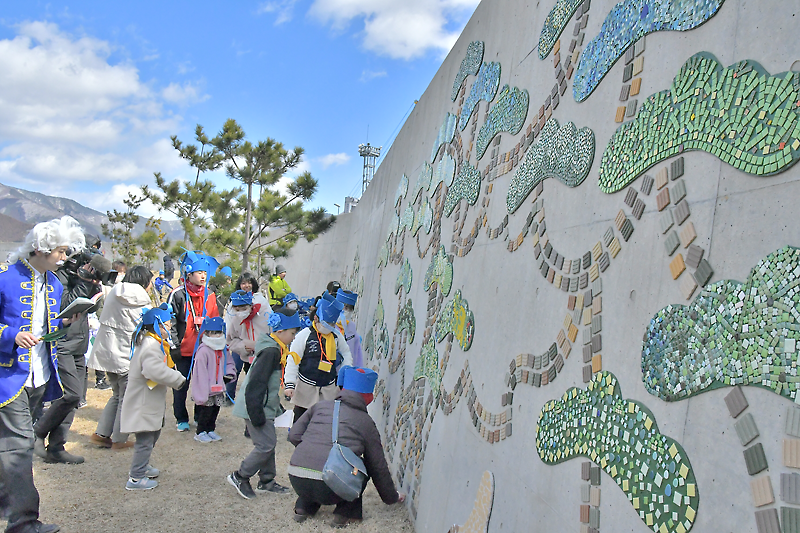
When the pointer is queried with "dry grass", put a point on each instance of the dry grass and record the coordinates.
(192, 495)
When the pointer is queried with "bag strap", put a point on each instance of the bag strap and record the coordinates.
(335, 424)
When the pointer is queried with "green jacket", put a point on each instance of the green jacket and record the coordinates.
(259, 400)
(278, 288)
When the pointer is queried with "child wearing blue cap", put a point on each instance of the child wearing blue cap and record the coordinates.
(347, 324)
(212, 369)
(151, 372)
(259, 404)
(319, 351)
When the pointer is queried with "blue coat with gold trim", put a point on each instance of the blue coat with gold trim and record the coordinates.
(16, 312)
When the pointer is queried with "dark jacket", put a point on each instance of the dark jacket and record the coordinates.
(178, 331)
(261, 385)
(311, 435)
(76, 342)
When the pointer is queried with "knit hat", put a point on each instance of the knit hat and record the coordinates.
(241, 298)
(291, 297)
(280, 269)
(347, 297)
(357, 379)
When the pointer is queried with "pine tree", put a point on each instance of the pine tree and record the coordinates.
(120, 228)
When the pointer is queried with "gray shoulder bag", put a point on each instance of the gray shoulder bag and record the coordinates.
(344, 472)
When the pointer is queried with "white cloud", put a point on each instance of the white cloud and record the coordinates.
(398, 28)
(183, 94)
(284, 10)
(333, 159)
(114, 199)
(367, 75)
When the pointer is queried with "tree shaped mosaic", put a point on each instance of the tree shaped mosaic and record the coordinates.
(555, 23)
(404, 278)
(508, 114)
(446, 132)
(440, 271)
(427, 366)
(466, 186)
(469, 66)
(484, 88)
(406, 320)
(456, 318)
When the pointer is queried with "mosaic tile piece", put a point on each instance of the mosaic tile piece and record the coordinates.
(440, 271)
(732, 334)
(627, 22)
(694, 255)
(508, 114)
(678, 191)
(478, 520)
(456, 318)
(703, 273)
(466, 186)
(792, 419)
(636, 86)
(427, 366)
(672, 242)
(681, 211)
(791, 453)
(740, 114)
(647, 185)
(666, 221)
(446, 132)
(687, 286)
(746, 429)
(688, 235)
(622, 437)
(767, 521)
(406, 320)
(484, 88)
(561, 152)
(736, 402)
(469, 66)
(790, 520)
(638, 209)
(677, 266)
(790, 488)
(404, 278)
(755, 459)
(762, 491)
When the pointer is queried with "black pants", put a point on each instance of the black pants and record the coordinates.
(57, 419)
(313, 493)
(298, 412)
(19, 499)
(206, 416)
(182, 365)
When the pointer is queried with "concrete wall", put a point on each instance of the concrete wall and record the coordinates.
(437, 452)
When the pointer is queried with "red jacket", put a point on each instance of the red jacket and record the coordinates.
(184, 331)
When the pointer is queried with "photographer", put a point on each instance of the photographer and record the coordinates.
(81, 276)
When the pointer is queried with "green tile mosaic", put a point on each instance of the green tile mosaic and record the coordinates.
(443, 172)
(407, 220)
(622, 437)
(739, 114)
(423, 181)
(427, 366)
(446, 133)
(406, 320)
(376, 342)
(404, 278)
(469, 66)
(484, 88)
(456, 318)
(627, 22)
(466, 186)
(440, 271)
(732, 334)
(508, 114)
(555, 23)
(562, 152)
(402, 190)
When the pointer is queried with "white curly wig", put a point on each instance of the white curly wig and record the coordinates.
(47, 236)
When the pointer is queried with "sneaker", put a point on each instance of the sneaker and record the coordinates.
(273, 487)
(99, 440)
(213, 436)
(39, 448)
(82, 404)
(152, 472)
(183, 426)
(48, 528)
(300, 516)
(242, 486)
(141, 484)
(62, 456)
(203, 437)
(102, 385)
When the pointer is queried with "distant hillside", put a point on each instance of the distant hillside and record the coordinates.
(28, 208)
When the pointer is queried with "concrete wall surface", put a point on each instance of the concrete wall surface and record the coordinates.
(572, 365)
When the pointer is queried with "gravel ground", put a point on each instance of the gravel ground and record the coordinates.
(192, 495)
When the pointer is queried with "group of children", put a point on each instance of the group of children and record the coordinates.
(185, 340)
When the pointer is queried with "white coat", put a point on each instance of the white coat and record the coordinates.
(122, 310)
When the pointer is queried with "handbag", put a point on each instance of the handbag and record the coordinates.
(344, 472)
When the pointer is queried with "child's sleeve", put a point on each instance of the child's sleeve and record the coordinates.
(293, 367)
(344, 349)
(200, 377)
(155, 369)
(257, 389)
(230, 367)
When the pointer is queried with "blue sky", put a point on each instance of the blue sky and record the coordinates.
(92, 91)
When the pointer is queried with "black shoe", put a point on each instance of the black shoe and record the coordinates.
(48, 528)
(102, 385)
(300, 516)
(62, 456)
(273, 487)
(246, 432)
(39, 448)
(242, 486)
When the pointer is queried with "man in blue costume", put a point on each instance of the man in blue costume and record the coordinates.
(30, 297)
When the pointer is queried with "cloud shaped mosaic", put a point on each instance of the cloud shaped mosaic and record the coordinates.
(508, 114)
(562, 152)
(731, 334)
(440, 271)
(627, 22)
(446, 132)
(555, 23)
(443, 172)
(402, 189)
(622, 437)
(466, 186)
(469, 66)
(456, 318)
(404, 277)
(740, 114)
(485, 88)
(423, 181)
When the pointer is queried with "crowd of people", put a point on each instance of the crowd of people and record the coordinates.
(63, 304)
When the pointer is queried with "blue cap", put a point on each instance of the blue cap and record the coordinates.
(279, 321)
(291, 297)
(328, 297)
(357, 379)
(241, 298)
(162, 313)
(160, 272)
(329, 312)
(199, 262)
(226, 271)
(347, 297)
(212, 324)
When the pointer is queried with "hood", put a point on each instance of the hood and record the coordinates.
(131, 294)
(353, 399)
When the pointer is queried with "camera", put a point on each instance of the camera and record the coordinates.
(90, 265)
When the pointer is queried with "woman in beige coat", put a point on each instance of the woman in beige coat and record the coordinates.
(144, 405)
(111, 352)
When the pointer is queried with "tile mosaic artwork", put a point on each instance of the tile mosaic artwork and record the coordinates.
(465, 186)
(406, 320)
(740, 114)
(508, 114)
(554, 24)
(732, 334)
(423, 181)
(627, 22)
(423, 218)
(456, 318)
(402, 190)
(407, 220)
(562, 152)
(440, 271)
(376, 342)
(622, 437)
(427, 366)
(446, 132)
(404, 278)
(469, 66)
(443, 172)
(478, 520)
(484, 88)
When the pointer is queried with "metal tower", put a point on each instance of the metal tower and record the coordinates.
(370, 154)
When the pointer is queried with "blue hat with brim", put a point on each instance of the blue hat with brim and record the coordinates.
(328, 297)
(212, 324)
(291, 297)
(279, 321)
(357, 379)
(241, 297)
(162, 313)
(346, 297)
(199, 262)
(226, 271)
(329, 312)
